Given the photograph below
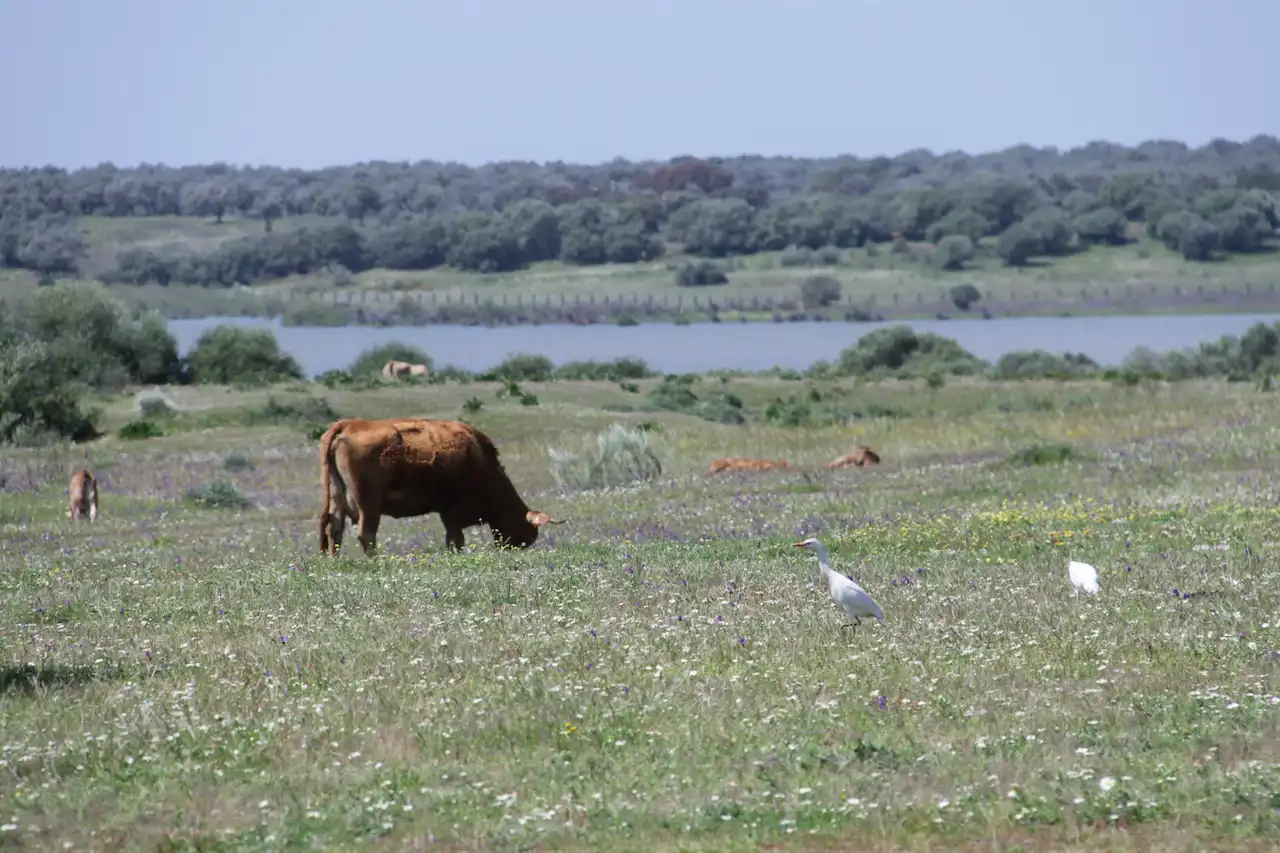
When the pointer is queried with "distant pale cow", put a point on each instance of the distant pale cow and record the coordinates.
(733, 464)
(82, 496)
(862, 456)
(395, 369)
(400, 369)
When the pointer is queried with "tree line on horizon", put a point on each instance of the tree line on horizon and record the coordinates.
(945, 209)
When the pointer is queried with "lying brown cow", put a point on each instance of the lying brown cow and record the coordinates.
(860, 457)
(82, 496)
(731, 464)
(399, 369)
(405, 467)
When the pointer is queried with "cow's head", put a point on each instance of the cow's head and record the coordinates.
(525, 533)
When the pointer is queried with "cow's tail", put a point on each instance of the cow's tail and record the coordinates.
(327, 472)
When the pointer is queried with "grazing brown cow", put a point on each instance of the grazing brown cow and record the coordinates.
(405, 467)
(860, 457)
(82, 496)
(732, 464)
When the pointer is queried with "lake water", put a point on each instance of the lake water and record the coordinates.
(743, 346)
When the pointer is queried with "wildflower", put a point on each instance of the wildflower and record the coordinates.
(1106, 783)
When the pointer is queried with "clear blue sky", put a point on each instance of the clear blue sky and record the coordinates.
(324, 82)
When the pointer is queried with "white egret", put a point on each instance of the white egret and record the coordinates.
(1084, 578)
(850, 597)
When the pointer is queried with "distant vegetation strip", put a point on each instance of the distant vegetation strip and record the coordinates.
(62, 345)
(818, 298)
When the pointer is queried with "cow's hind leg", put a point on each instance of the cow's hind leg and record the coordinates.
(367, 530)
(332, 526)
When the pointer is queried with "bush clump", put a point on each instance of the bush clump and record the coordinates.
(40, 394)
(618, 370)
(1052, 453)
(701, 274)
(1254, 354)
(521, 368)
(675, 394)
(139, 430)
(819, 291)
(306, 413)
(218, 494)
(902, 352)
(94, 337)
(614, 457)
(237, 462)
(1042, 364)
(232, 355)
(372, 360)
(154, 404)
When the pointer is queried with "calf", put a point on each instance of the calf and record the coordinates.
(82, 496)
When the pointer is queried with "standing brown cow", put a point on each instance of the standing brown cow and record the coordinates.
(82, 496)
(405, 467)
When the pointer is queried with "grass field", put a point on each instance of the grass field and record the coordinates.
(1143, 277)
(663, 672)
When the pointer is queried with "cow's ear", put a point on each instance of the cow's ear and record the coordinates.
(538, 519)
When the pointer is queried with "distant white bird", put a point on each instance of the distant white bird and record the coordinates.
(1084, 578)
(850, 597)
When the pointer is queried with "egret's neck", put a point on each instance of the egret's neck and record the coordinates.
(824, 560)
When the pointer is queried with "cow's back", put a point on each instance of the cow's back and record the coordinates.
(422, 465)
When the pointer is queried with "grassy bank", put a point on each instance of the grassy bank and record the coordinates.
(661, 673)
(873, 282)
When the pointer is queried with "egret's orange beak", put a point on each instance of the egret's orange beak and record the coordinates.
(798, 545)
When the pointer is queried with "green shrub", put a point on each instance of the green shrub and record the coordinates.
(219, 494)
(335, 379)
(963, 296)
(41, 396)
(675, 394)
(307, 412)
(452, 373)
(93, 338)
(614, 457)
(154, 404)
(522, 368)
(139, 429)
(611, 371)
(231, 355)
(900, 351)
(1054, 453)
(950, 253)
(238, 462)
(701, 274)
(819, 291)
(1041, 364)
(1256, 352)
(372, 360)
